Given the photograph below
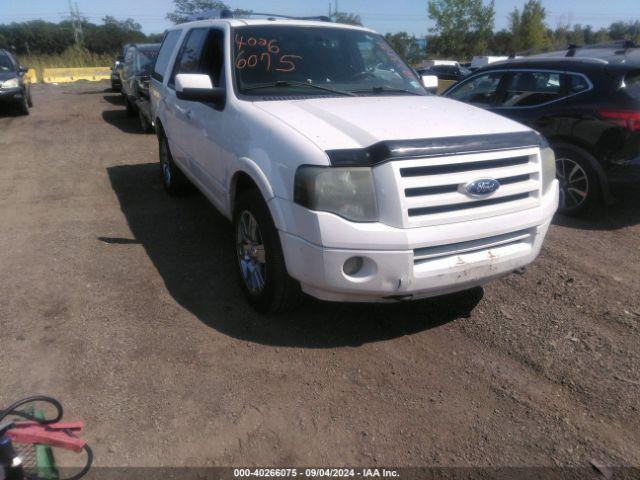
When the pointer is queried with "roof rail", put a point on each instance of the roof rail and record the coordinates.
(322, 18)
(218, 13)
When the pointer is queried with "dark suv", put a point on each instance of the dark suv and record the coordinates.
(135, 72)
(14, 86)
(588, 109)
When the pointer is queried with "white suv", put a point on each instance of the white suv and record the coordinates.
(343, 178)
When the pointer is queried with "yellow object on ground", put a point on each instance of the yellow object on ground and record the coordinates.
(31, 75)
(63, 75)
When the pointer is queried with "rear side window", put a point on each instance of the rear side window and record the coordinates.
(576, 84)
(481, 90)
(529, 89)
(162, 62)
(632, 82)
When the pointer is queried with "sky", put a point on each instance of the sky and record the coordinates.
(381, 15)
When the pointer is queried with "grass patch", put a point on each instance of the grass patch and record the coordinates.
(71, 58)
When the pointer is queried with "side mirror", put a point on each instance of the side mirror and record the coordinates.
(196, 87)
(430, 83)
(120, 58)
(23, 70)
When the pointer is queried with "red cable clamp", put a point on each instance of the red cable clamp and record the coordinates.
(60, 435)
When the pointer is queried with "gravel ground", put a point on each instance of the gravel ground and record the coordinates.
(122, 302)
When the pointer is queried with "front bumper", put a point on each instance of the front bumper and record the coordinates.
(407, 264)
(11, 95)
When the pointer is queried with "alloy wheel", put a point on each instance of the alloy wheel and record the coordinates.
(574, 183)
(250, 251)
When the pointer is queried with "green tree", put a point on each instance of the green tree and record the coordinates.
(406, 46)
(530, 33)
(185, 8)
(465, 27)
(348, 18)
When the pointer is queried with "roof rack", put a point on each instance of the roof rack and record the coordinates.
(220, 13)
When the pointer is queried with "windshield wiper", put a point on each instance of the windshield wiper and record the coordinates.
(384, 89)
(284, 84)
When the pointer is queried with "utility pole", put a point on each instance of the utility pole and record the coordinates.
(76, 22)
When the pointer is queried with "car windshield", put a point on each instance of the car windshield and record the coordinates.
(5, 63)
(286, 60)
(146, 59)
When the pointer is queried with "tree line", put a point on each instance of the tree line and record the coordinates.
(464, 28)
(40, 37)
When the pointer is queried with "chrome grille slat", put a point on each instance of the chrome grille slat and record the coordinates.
(463, 167)
(420, 255)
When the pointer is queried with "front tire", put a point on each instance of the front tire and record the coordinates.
(579, 184)
(145, 126)
(175, 182)
(24, 105)
(131, 108)
(259, 258)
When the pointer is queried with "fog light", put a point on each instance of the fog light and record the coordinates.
(352, 266)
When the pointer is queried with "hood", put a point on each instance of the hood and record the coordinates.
(358, 122)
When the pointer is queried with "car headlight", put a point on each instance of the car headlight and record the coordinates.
(11, 83)
(548, 159)
(348, 192)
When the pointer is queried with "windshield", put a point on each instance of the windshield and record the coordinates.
(280, 60)
(5, 63)
(145, 60)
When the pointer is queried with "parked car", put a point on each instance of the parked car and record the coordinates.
(446, 72)
(342, 177)
(135, 72)
(15, 87)
(116, 83)
(587, 108)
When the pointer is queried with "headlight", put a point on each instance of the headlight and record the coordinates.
(348, 192)
(548, 159)
(11, 83)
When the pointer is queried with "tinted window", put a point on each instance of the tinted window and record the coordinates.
(202, 52)
(528, 89)
(162, 62)
(480, 90)
(576, 84)
(6, 64)
(145, 60)
(328, 57)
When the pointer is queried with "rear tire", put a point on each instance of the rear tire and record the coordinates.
(579, 183)
(145, 126)
(175, 182)
(131, 108)
(259, 259)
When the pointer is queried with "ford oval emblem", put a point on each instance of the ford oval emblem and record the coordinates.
(482, 187)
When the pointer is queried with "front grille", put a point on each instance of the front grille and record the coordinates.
(463, 167)
(434, 191)
(422, 255)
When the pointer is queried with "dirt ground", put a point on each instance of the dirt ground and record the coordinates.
(122, 302)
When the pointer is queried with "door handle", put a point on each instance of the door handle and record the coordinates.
(187, 113)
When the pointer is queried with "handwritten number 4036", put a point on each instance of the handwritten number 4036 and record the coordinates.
(286, 63)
